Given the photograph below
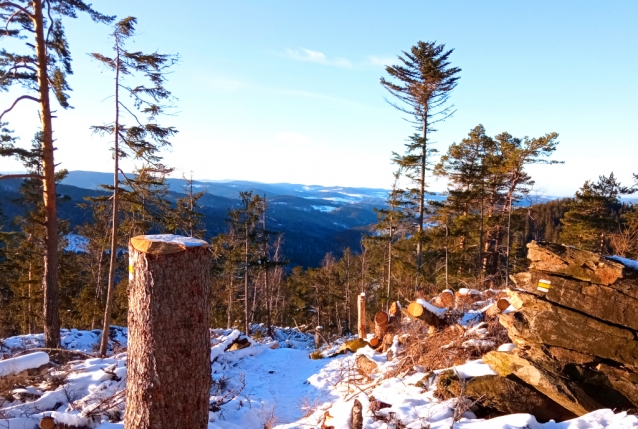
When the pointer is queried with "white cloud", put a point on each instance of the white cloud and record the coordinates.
(293, 139)
(304, 54)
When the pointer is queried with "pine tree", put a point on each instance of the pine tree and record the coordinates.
(188, 220)
(142, 141)
(43, 68)
(244, 221)
(393, 222)
(467, 166)
(593, 214)
(516, 155)
(422, 84)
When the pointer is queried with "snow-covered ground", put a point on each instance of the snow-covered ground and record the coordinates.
(283, 389)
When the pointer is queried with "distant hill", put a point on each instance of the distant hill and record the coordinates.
(314, 219)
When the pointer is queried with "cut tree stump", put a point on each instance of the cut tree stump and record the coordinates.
(357, 415)
(168, 361)
(380, 324)
(361, 323)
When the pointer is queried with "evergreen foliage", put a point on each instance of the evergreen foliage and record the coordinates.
(594, 214)
(41, 68)
(422, 84)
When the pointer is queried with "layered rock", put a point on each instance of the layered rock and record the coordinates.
(575, 325)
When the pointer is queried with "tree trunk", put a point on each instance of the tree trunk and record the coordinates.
(361, 307)
(424, 155)
(387, 305)
(168, 358)
(246, 327)
(50, 275)
(110, 288)
(230, 302)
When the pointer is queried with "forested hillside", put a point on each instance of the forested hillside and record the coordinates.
(281, 253)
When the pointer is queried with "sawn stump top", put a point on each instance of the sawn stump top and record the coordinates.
(164, 244)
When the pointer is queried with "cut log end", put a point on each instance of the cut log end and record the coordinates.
(447, 298)
(415, 309)
(381, 318)
(165, 244)
(502, 304)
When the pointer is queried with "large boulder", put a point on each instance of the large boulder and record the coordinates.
(505, 395)
(576, 388)
(614, 303)
(539, 322)
(576, 263)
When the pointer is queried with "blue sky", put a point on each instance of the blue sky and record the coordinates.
(288, 91)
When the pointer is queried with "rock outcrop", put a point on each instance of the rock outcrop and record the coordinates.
(575, 326)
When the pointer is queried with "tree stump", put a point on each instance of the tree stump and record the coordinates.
(380, 324)
(357, 415)
(168, 362)
(361, 310)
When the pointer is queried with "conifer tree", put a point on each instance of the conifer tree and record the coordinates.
(244, 221)
(188, 220)
(142, 141)
(41, 69)
(422, 84)
(593, 214)
(392, 223)
(516, 155)
(467, 166)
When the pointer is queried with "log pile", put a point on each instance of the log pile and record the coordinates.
(575, 326)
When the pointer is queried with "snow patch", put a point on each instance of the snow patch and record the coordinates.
(22, 363)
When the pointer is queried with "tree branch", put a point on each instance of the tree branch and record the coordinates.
(11, 4)
(23, 97)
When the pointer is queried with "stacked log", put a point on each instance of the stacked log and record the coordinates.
(426, 313)
(575, 327)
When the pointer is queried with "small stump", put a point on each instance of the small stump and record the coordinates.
(168, 361)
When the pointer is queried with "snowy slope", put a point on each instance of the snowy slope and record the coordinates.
(283, 387)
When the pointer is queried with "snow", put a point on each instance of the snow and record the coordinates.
(76, 243)
(337, 200)
(508, 347)
(440, 312)
(325, 209)
(72, 339)
(22, 363)
(282, 383)
(629, 263)
(475, 368)
(177, 239)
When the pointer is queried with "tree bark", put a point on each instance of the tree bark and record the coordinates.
(361, 307)
(380, 324)
(168, 359)
(110, 288)
(50, 275)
